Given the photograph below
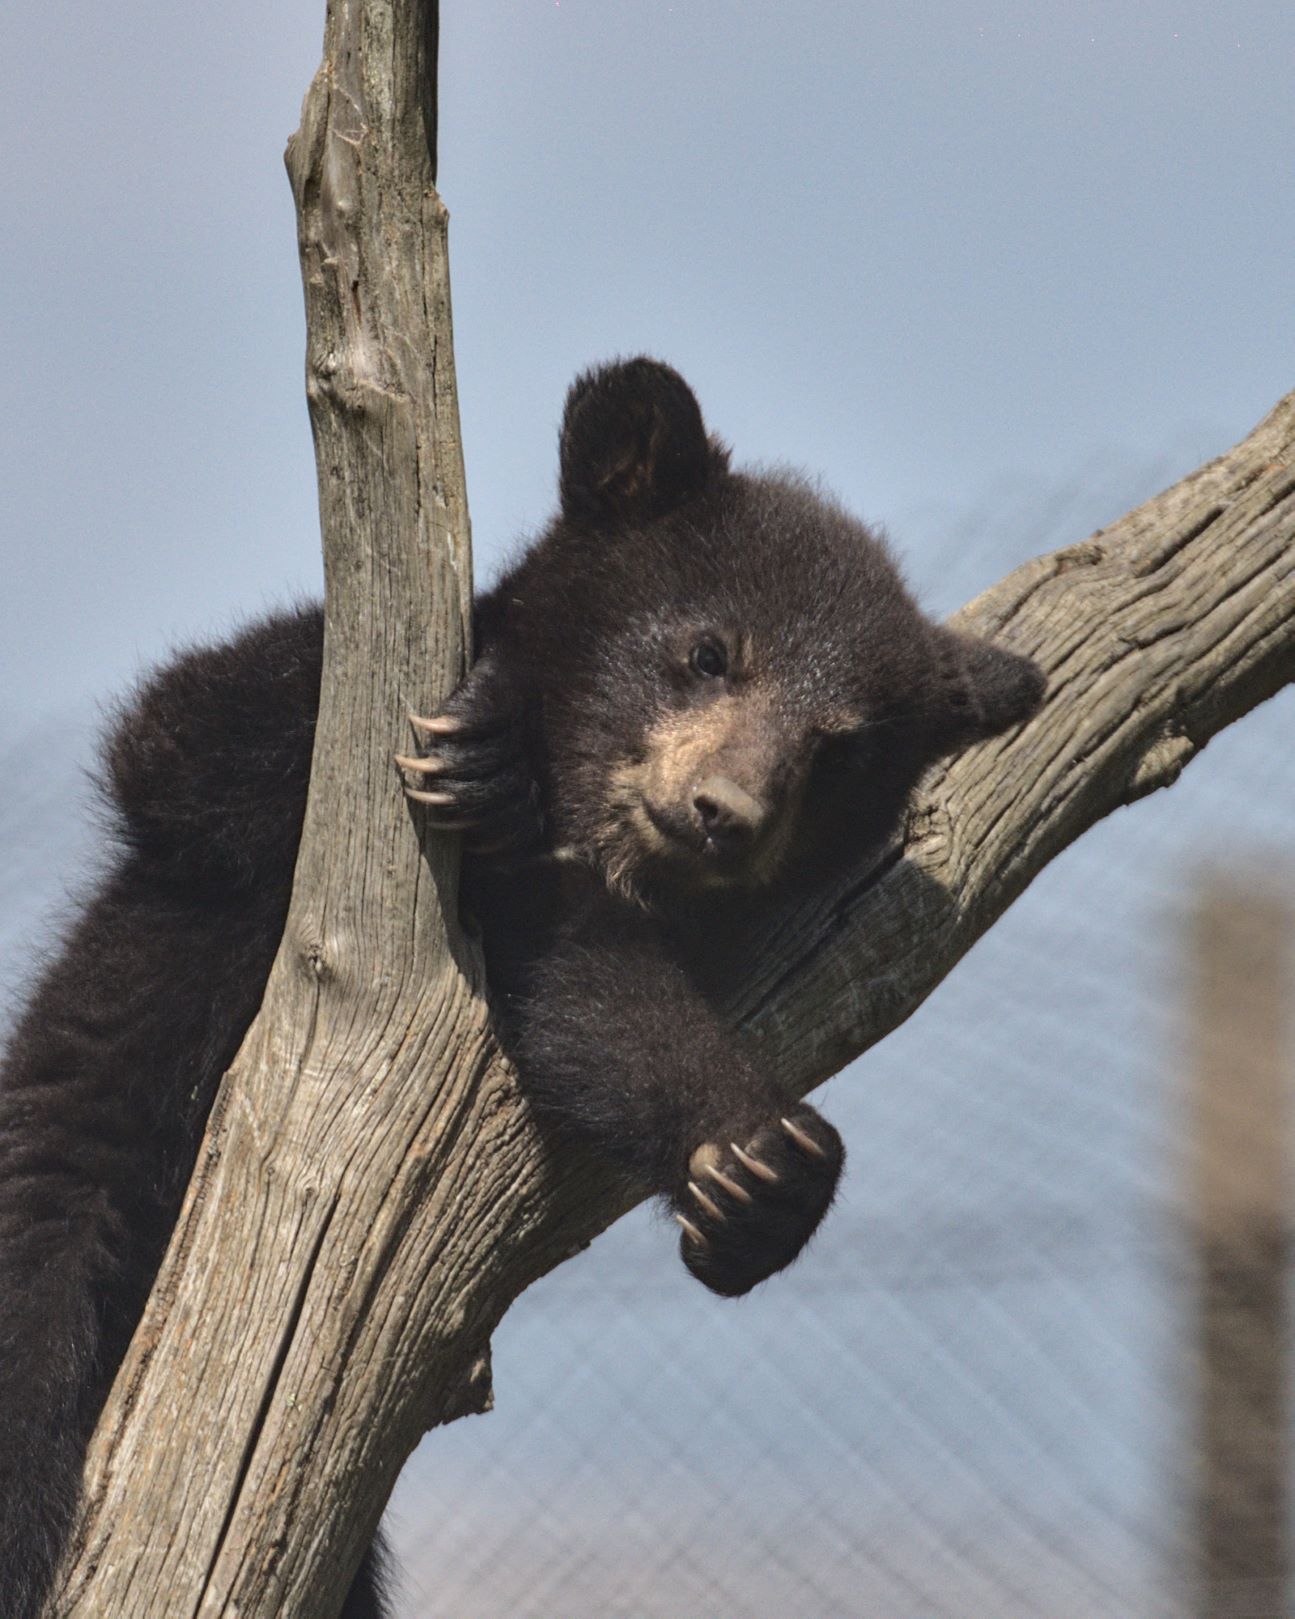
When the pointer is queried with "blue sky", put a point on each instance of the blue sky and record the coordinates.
(994, 272)
(917, 249)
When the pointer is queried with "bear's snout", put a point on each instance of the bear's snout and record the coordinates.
(730, 817)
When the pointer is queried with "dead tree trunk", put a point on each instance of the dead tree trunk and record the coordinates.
(371, 1194)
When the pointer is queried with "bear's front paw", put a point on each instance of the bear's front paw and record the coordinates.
(475, 778)
(751, 1209)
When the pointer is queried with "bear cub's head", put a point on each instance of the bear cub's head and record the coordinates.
(732, 674)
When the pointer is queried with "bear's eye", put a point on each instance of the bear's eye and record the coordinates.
(708, 658)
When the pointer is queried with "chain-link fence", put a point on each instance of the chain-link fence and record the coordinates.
(998, 1385)
(1034, 1364)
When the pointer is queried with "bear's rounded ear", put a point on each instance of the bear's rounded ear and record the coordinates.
(633, 444)
(984, 690)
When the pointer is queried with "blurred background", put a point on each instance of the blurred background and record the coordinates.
(996, 274)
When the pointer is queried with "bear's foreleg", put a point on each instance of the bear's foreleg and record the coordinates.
(620, 1043)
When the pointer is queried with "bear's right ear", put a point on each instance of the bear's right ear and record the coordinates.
(633, 444)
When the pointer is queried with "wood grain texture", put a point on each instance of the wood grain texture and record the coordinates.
(1155, 633)
(335, 1212)
(372, 1193)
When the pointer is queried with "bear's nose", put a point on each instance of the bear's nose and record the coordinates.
(731, 817)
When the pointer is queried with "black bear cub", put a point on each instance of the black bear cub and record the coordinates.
(698, 691)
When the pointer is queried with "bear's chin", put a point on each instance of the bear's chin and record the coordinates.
(670, 878)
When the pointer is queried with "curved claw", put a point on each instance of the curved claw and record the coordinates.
(691, 1230)
(761, 1171)
(442, 823)
(711, 1207)
(427, 765)
(804, 1142)
(436, 724)
(728, 1183)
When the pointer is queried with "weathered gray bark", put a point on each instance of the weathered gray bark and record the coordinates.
(371, 1195)
(336, 1213)
(1155, 633)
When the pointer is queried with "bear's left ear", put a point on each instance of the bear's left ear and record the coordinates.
(633, 445)
(984, 689)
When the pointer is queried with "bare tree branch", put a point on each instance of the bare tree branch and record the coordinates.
(1155, 634)
(320, 1227)
(372, 1194)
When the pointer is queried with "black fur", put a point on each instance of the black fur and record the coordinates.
(697, 690)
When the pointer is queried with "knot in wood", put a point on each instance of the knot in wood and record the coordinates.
(1161, 764)
(314, 958)
(1087, 554)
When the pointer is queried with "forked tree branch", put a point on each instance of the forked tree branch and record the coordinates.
(372, 1193)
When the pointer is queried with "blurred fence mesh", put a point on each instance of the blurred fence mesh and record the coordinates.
(1035, 1363)
(1032, 1365)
